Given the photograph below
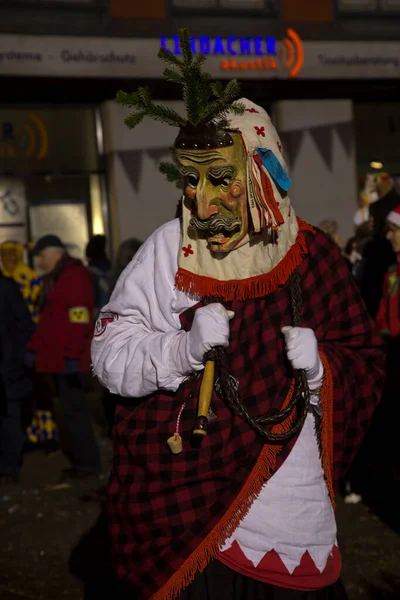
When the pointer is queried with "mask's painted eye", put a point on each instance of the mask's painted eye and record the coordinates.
(221, 177)
(192, 180)
(220, 181)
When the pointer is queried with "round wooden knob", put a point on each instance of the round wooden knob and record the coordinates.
(175, 444)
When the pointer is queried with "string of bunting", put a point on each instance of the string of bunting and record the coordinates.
(132, 160)
(322, 136)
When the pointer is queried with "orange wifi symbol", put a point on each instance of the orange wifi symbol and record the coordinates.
(38, 139)
(293, 52)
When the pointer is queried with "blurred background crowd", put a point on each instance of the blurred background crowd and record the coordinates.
(47, 324)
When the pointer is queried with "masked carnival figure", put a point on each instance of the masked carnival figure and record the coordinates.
(250, 366)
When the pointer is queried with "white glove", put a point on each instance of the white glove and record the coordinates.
(184, 351)
(210, 328)
(302, 351)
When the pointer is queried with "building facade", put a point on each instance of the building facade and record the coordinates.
(326, 70)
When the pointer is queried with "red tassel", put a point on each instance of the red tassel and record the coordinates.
(327, 427)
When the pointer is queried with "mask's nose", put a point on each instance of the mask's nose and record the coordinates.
(204, 207)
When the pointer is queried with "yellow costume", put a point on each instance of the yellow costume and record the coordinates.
(28, 280)
(43, 427)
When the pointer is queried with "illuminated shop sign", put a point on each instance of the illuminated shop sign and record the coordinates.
(232, 46)
(26, 138)
(247, 53)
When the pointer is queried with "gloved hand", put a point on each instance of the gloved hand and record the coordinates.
(302, 351)
(210, 328)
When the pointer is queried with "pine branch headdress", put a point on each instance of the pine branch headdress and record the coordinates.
(207, 103)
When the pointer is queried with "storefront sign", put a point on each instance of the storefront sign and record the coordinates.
(233, 46)
(28, 138)
(12, 210)
(249, 53)
(47, 140)
(244, 58)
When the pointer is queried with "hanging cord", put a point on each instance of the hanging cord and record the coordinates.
(178, 421)
(228, 389)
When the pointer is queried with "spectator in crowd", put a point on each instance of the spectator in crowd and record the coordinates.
(330, 227)
(61, 345)
(16, 328)
(100, 267)
(354, 249)
(38, 414)
(384, 426)
(388, 317)
(12, 263)
(378, 254)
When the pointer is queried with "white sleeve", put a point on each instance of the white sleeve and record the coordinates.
(139, 346)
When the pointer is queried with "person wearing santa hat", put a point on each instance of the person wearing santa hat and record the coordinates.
(383, 198)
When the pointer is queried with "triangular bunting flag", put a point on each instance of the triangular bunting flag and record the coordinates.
(132, 163)
(323, 138)
(345, 133)
(158, 153)
(291, 145)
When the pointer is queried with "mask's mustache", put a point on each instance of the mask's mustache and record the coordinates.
(217, 224)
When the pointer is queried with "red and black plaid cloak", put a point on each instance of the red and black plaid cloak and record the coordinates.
(169, 514)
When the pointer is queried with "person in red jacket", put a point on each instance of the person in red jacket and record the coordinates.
(61, 345)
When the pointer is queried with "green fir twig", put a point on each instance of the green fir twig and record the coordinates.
(172, 173)
(206, 102)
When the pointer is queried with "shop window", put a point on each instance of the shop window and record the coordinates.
(269, 7)
(91, 4)
(52, 176)
(242, 4)
(191, 4)
(377, 134)
(358, 5)
(390, 5)
(372, 7)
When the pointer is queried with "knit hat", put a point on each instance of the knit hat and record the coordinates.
(394, 217)
(47, 241)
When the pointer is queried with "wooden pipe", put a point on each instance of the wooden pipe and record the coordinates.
(206, 390)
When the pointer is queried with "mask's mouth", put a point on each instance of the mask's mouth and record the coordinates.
(220, 229)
